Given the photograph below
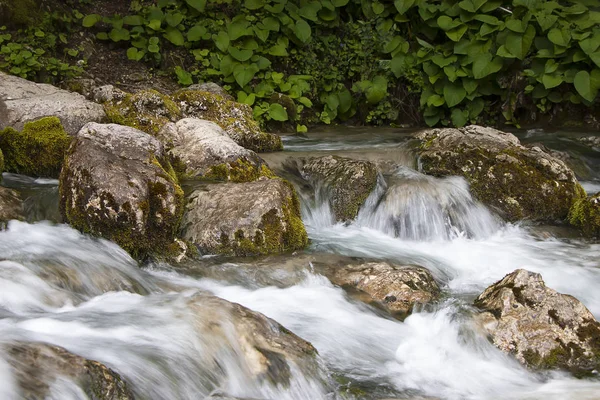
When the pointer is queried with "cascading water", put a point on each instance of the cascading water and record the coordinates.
(89, 297)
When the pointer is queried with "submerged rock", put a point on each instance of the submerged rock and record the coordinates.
(200, 149)
(396, 288)
(518, 182)
(11, 206)
(346, 182)
(268, 350)
(585, 214)
(37, 366)
(260, 217)
(116, 183)
(541, 327)
(22, 101)
(37, 150)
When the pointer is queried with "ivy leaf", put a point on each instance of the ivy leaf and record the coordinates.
(243, 74)
(277, 112)
(459, 117)
(447, 23)
(174, 19)
(402, 6)
(454, 93)
(133, 20)
(91, 20)
(585, 87)
(471, 6)
(302, 31)
(436, 100)
(485, 65)
(254, 4)
(560, 37)
(116, 35)
(551, 81)
(222, 41)
(239, 54)
(196, 32)
(197, 4)
(519, 44)
(174, 36)
(238, 29)
(377, 90)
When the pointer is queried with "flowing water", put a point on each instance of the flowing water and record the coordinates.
(89, 296)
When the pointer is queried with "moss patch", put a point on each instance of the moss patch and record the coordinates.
(240, 170)
(38, 150)
(585, 214)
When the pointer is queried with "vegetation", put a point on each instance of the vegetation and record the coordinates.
(299, 62)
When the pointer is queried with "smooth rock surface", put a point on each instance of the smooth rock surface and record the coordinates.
(201, 149)
(22, 101)
(517, 182)
(539, 326)
(345, 182)
(397, 288)
(258, 217)
(116, 183)
(37, 366)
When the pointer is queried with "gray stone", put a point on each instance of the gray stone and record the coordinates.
(11, 206)
(117, 183)
(517, 182)
(201, 148)
(397, 288)
(346, 182)
(22, 101)
(258, 217)
(211, 87)
(539, 326)
(37, 366)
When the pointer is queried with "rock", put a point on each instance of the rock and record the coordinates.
(348, 182)
(37, 150)
(541, 327)
(37, 366)
(236, 119)
(592, 141)
(116, 183)
(585, 214)
(11, 206)
(260, 217)
(107, 93)
(517, 182)
(397, 288)
(200, 149)
(210, 87)
(270, 352)
(22, 101)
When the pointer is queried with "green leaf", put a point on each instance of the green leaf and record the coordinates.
(516, 25)
(117, 35)
(174, 19)
(277, 112)
(222, 41)
(279, 49)
(301, 128)
(459, 117)
(155, 24)
(560, 37)
(243, 74)
(519, 44)
(197, 4)
(471, 6)
(454, 93)
(402, 6)
(377, 91)
(174, 36)
(183, 77)
(135, 54)
(457, 33)
(196, 32)
(133, 20)
(302, 31)
(377, 7)
(91, 20)
(238, 29)
(585, 87)
(240, 54)
(551, 81)
(485, 65)
(305, 101)
(436, 100)
(254, 4)
(447, 23)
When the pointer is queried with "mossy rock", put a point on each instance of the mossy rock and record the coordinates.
(261, 217)
(18, 13)
(240, 170)
(585, 214)
(515, 181)
(147, 110)
(236, 119)
(38, 150)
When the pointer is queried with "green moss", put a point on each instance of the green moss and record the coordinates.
(240, 170)
(585, 214)
(38, 150)
(19, 12)
(147, 110)
(1, 161)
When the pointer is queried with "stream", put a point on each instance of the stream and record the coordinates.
(88, 296)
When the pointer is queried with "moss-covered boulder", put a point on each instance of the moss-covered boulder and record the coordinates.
(11, 206)
(200, 149)
(236, 119)
(539, 326)
(37, 366)
(585, 214)
(22, 101)
(19, 13)
(37, 150)
(117, 183)
(345, 182)
(396, 288)
(517, 182)
(260, 217)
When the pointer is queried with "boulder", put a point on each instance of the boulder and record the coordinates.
(517, 182)
(201, 149)
(36, 367)
(396, 288)
(585, 214)
(269, 351)
(117, 183)
(592, 141)
(541, 327)
(259, 217)
(37, 150)
(22, 101)
(11, 206)
(346, 181)
(211, 87)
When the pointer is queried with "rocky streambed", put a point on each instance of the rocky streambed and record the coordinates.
(160, 246)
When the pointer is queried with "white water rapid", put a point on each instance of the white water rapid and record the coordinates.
(90, 297)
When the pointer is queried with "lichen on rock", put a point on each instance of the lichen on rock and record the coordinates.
(117, 183)
(517, 182)
(37, 150)
(260, 217)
